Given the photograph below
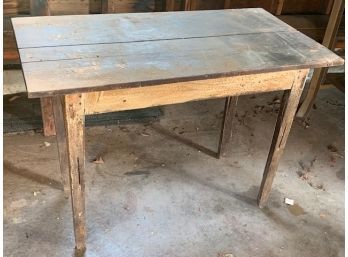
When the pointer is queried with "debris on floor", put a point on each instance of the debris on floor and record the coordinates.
(289, 201)
(35, 193)
(334, 151)
(14, 98)
(306, 123)
(47, 144)
(332, 148)
(306, 174)
(225, 255)
(98, 160)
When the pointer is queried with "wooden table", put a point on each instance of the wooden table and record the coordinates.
(112, 62)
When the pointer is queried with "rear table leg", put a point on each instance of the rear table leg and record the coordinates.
(226, 130)
(61, 142)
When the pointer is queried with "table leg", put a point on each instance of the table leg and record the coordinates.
(74, 117)
(61, 143)
(47, 116)
(226, 130)
(285, 118)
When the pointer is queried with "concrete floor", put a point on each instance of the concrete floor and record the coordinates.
(154, 196)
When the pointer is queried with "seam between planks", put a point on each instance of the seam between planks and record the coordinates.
(163, 39)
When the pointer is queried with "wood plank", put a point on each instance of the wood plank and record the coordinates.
(47, 116)
(187, 6)
(313, 26)
(279, 7)
(57, 70)
(227, 4)
(319, 74)
(336, 80)
(142, 97)
(121, 6)
(13, 82)
(68, 7)
(306, 6)
(39, 8)
(57, 105)
(16, 7)
(95, 6)
(75, 138)
(113, 28)
(170, 5)
(11, 54)
(285, 118)
(265, 4)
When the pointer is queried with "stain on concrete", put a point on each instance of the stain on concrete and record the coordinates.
(340, 174)
(131, 202)
(296, 209)
(218, 209)
(137, 173)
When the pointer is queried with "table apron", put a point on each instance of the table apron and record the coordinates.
(173, 93)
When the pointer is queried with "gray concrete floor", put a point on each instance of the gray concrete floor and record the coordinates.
(154, 196)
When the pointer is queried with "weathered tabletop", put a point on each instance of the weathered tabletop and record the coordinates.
(67, 54)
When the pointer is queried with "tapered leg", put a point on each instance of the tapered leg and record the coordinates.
(226, 130)
(61, 142)
(285, 118)
(74, 117)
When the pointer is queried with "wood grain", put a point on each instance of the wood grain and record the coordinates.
(170, 5)
(118, 28)
(285, 118)
(59, 70)
(121, 6)
(142, 97)
(75, 138)
(227, 124)
(57, 105)
(66, 7)
(47, 116)
(320, 73)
